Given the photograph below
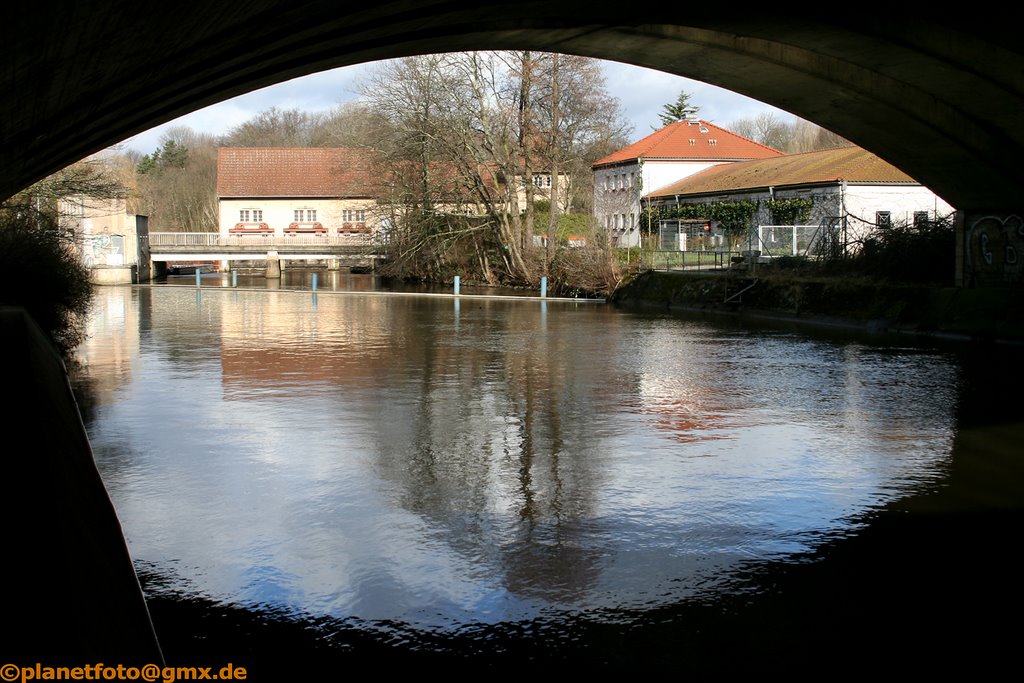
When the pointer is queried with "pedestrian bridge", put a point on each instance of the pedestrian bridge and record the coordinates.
(213, 246)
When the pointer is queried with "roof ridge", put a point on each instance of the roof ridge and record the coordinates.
(744, 137)
(837, 164)
(670, 142)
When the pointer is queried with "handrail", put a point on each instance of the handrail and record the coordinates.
(215, 239)
(740, 293)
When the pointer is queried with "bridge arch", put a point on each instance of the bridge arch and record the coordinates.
(941, 97)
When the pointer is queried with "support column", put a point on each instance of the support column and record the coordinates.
(225, 266)
(990, 248)
(334, 264)
(273, 271)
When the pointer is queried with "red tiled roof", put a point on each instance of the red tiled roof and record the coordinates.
(852, 164)
(691, 140)
(294, 172)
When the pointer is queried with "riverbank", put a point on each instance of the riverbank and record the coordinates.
(856, 304)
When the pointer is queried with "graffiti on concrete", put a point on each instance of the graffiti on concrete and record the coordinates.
(994, 249)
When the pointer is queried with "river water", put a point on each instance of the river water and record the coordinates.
(516, 481)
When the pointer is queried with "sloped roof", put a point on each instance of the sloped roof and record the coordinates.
(852, 164)
(696, 140)
(294, 172)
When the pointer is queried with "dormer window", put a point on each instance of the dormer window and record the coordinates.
(712, 142)
(693, 143)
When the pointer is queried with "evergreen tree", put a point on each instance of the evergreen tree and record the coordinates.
(677, 111)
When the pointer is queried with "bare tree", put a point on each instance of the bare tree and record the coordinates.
(471, 133)
(810, 137)
(351, 124)
(274, 128)
(791, 138)
(765, 128)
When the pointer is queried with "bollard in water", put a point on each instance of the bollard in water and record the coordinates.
(198, 274)
(314, 282)
(234, 278)
(457, 282)
(543, 287)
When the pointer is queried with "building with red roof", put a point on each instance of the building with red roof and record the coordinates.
(285, 191)
(846, 187)
(289, 191)
(677, 151)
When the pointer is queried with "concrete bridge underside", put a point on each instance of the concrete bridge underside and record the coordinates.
(940, 96)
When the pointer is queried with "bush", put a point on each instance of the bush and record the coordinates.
(923, 253)
(41, 271)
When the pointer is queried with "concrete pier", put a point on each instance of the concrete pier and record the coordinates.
(273, 271)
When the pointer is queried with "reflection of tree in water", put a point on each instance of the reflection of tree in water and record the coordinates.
(495, 445)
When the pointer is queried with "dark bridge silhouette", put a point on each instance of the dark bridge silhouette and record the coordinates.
(941, 96)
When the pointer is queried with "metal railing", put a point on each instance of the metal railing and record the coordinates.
(689, 260)
(215, 239)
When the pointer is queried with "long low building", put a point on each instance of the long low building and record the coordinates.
(847, 187)
(292, 191)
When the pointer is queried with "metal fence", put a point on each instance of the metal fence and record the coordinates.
(823, 241)
(690, 260)
(784, 240)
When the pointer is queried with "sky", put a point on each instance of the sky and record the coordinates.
(641, 92)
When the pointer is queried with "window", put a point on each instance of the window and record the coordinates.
(541, 181)
(243, 216)
(920, 218)
(298, 215)
(305, 215)
(632, 221)
(693, 142)
(617, 223)
(883, 219)
(606, 183)
(257, 215)
(712, 141)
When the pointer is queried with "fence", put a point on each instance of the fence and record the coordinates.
(688, 260)
(825, 240)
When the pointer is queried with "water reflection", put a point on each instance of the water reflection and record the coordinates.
(404, 459)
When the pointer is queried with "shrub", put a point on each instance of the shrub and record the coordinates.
(41, 271)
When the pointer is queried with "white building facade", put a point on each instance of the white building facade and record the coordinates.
(848, 188)
(677, 151)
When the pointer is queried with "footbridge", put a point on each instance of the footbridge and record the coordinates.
(169, 247)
